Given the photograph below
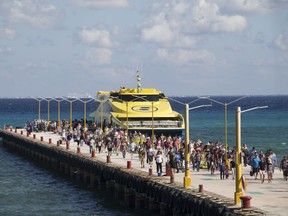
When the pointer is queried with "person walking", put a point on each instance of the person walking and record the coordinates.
(159, 161)
(198, 160)
(141, 154)
(262, 169)
(222, 170)
(232, 167)
(255, 165)
(269, 169)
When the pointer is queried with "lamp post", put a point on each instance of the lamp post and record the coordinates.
(48, 107)
(101, 111)
(39, 105)
(85, 102)
(71, 100)
(225, 119)
(187, 181)
(238, 181)
(58, 99)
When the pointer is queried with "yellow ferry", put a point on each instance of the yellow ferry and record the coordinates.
(138, 109)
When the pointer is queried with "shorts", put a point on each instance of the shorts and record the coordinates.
(255, 170)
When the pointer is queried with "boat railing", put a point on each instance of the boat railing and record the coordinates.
(155, 124)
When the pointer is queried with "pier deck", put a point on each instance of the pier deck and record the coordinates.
(270, 197)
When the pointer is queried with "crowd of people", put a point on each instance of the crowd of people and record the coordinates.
(212, 156)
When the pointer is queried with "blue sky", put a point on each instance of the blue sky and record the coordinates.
(181, 47)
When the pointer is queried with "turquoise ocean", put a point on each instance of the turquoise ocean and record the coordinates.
(27, 189)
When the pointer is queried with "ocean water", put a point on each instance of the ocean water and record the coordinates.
(27, 189)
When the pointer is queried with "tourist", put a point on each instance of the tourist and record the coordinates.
(82, 139)
(192, 159)
(198, 159)
(109, 146)
(227, 171)
(232, 167)
(91, 145)
(282, 163)
(274, 160)
(99, 145)
(269, 169)
(245, 153)
(222, 170)
(150, 155)
(262, 169)
(171, 157)
(141, 154)
(159, 161)
(285, 168)
(255, 164)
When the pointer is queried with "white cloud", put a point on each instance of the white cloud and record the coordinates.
(183, 56)
(206, 17)
(99, 37)
(7, 32)
(159, 33)
(99, 4)
(228, 24)
(281, 41)
(248, 6)
(98, 56)
(31, 12)
(174, 21)
(4, 50)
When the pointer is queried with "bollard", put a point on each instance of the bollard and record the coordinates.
(200, 188)
(50, 140)
(93, 153)
(108, 159)
(34, 136)
(28, 134)
(41, 138)
(58, 143)
(150, 171)
(168, 170)
(172, 178)
(128, 164)
(246, 201)
(11, 129)
(15, 130)
(78, 150)
(67, 145)
(21, 132)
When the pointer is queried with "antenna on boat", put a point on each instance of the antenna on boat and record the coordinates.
(138, 82)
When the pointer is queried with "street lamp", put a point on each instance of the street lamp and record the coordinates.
(101, 111)
(70, 101)
(39, 105)
(187, 178)
(48, 107)
(225, 119)
(238, 182)
(58, 101)
(85, 102)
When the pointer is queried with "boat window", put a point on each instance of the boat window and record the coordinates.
(139, 97)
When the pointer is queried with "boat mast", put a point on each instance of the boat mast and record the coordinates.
(138, 82)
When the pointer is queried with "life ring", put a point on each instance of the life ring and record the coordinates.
(244, 184)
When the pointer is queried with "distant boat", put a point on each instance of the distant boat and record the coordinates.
(137, 109)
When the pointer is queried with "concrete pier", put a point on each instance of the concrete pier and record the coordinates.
(140, 190)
